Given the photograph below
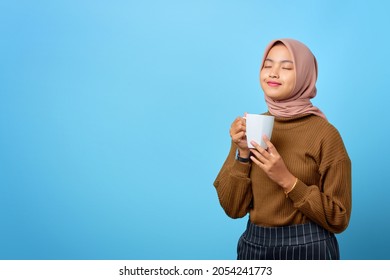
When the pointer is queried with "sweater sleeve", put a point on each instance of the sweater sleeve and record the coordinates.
(328, 204)
(233, 186)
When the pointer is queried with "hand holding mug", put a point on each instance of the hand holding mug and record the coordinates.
(238, 135)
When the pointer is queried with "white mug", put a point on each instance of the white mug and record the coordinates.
(256, 127)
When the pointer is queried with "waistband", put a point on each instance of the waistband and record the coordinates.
(285, 235)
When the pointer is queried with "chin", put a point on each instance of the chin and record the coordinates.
(274, 97)
(277, 96)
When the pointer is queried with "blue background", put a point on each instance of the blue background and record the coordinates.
(114, 119)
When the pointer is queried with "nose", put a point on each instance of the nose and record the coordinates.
(273, 74)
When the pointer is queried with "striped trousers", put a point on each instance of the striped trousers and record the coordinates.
(296, 242)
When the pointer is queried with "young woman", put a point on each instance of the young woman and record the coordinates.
(297, 191)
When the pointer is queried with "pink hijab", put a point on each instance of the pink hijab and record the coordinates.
(305, 85)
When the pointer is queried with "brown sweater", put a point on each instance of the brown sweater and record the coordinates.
(314, 152)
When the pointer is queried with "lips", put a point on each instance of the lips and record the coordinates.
(273, 84)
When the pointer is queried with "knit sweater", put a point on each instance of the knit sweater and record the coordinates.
(314, 152)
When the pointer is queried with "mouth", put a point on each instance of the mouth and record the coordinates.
(273, 84)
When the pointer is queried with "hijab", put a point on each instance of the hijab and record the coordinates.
(305, 63)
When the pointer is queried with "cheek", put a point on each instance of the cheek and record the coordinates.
(262, 78)
(263, 74)
(291, 78)
(292, 81)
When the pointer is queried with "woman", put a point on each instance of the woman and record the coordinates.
(297, 191)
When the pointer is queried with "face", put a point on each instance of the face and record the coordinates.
(277, 77)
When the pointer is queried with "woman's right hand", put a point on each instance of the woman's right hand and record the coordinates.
(238, 135)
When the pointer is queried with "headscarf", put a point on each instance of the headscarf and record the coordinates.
(305, 63)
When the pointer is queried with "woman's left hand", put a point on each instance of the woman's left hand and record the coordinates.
(272, 164)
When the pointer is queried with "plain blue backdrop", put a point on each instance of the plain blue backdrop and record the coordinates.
(114, 120)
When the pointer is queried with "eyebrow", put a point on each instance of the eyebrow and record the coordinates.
(282, 61)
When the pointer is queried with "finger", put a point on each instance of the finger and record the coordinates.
(259, 156)
(242, 121)
(236, 122)
(239, 120)
(257, 162)
(238, 130)
(259, 148)
(237, 126)
(271, 148)
(241, 127)
(238, 136)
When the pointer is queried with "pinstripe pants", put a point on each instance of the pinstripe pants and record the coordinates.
(296, 242)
